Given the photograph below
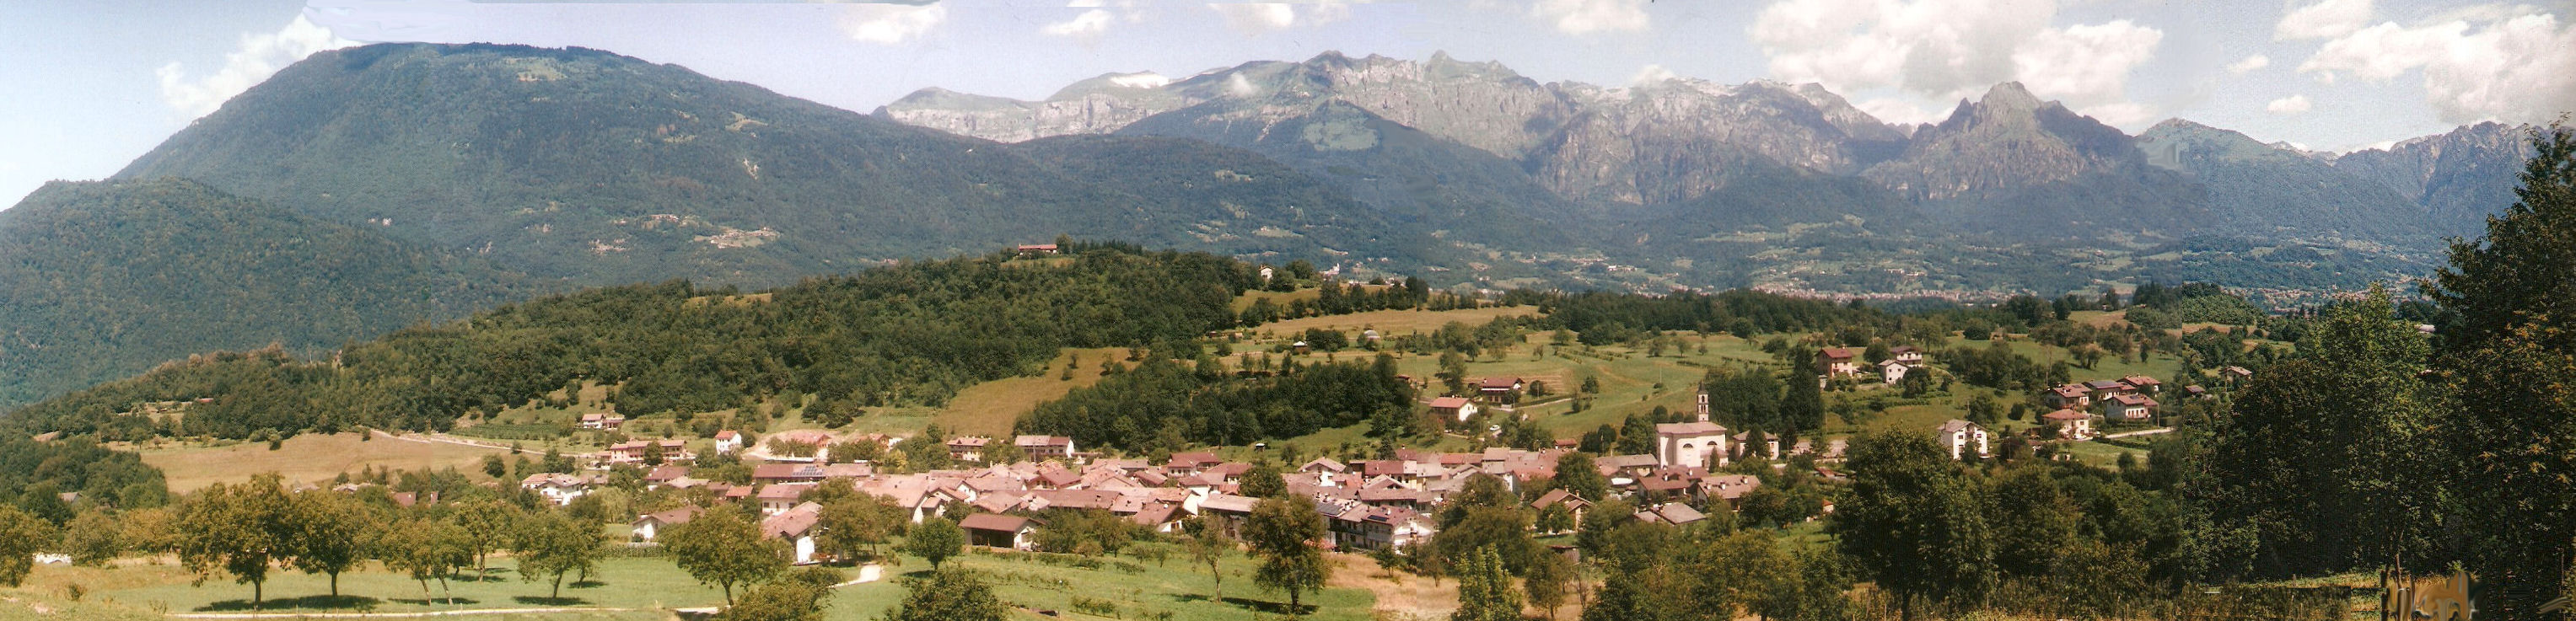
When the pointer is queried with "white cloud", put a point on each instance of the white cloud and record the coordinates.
(2084, 64)
(1579, 17)
(1934, 52)
(2324, 20)
(2513, 68)
(1262, 17)
(2293, 104)
(1652, 73)
(2250, 64)
(1089, 24)
(889, 24)
(258, 56)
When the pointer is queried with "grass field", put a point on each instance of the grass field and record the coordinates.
(308, 457)
(645, 588)
(989, 408)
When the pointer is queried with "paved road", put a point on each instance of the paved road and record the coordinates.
(2141, 432)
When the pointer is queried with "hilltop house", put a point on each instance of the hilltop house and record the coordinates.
(1965, 439)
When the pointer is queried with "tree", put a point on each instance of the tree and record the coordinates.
(723, 547)
(801, 596)
(1804, 407)
(856, 522)
(935, 540)
(2515, 295)
(425, 550)
(487, 523)
(2326, 449)
(949, 595)
(1264, 481)
(1576, 472)
(240, 529)
(1914, 522)
(1207, 545)
(1740, 571)
(94, 538)
(1485, 590)
(1548, 581)
(552, 544)
(1281, 532)
(21, 536)
(329, 534)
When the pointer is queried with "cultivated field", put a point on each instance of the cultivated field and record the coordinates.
(307, 457)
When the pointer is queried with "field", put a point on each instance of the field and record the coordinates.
(989, 408)
(307, 457)
(1392, 322)
(648, 587)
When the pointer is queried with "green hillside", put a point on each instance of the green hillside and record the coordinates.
(603, 169)
(106, 279)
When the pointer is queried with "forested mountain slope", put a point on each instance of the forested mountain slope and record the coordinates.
(102, 280)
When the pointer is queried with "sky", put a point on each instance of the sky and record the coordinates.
(95, 83)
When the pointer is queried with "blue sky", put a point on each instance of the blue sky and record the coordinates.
(98, 82)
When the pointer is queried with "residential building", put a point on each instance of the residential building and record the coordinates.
(1964, 439)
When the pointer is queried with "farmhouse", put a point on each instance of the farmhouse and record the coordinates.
(2070, 424)
(2129, 407)
(1838, 361)
(649, 526)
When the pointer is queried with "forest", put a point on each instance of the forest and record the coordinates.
(910, 334)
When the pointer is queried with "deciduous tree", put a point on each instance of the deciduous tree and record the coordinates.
(241, 529)
(1282, 533)
(935, 539)
(723, 547)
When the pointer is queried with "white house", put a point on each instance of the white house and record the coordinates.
(650, 525)
(556, 487)
(728, 441)
(1892, 371)
(1691, 444)
(796, 527)
(1457, 408)
(1965, 439)
(2070, 424)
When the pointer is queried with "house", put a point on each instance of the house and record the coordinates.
(1556, 497)
(2196, 392)
(555, 487)
(2070, 424)
(1008, 532)
(650, 525)
(1042, 448)
(1965, 439)
(1038, 250)
(1907, 354)
(2068, 396)
(636, 452)
(1671, 513)
(2144, 384)
(797, 527)
(1500, 389)
(2129, 407)
(1690, 444)
(2099, 390)
(1354, 526)
(2236, 376)
(602, 421)
(728, 441)
(1453, 408)
(1892, 371)
(968, 448)
(1838, 361)
(1729, 488)
(779, 499)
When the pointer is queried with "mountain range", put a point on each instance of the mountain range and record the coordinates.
(469, 174)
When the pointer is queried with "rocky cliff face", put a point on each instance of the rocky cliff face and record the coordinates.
(2014, 164)
(2458, 177)
(1676, 140)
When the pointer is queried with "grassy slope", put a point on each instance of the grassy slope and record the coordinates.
(308, 457)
